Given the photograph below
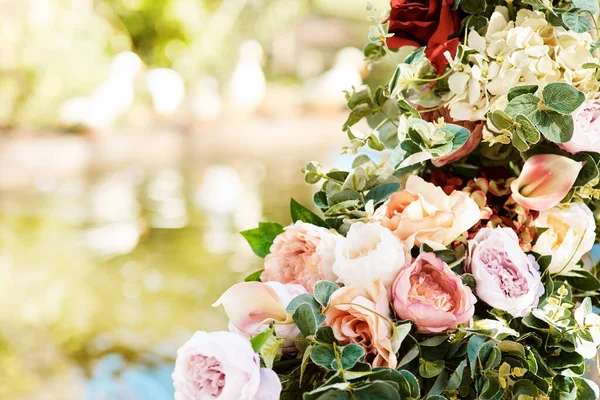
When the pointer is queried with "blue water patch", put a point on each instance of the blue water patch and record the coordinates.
(114, 379)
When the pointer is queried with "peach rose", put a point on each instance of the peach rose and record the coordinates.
(422, 213)
(431, 295)
(362, 323)
(302, 254)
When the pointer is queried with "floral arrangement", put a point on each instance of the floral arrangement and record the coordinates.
(457, 267)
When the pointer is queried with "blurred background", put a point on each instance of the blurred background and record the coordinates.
(137, 138)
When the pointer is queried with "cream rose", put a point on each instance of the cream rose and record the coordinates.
(222, 365)
(361, 315)
(369, 252)
(422, 213)
(302, 254)
(571, 234)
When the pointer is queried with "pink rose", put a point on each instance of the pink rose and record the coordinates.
(431, 295)
(422, 213)
(252, 306)
(222, 365)
(586, 132)
(507, 278)
(544, 181)
(363, 323)
(302, 254)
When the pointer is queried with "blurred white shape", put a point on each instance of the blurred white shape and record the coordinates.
(167, 90)
(111, 99)
(114, 198)
(206, 100)
(221, 190)
(326, 90)
(113, 239)
(247, 85)
(167, 200)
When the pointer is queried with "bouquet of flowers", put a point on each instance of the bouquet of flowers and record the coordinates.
(456, 266)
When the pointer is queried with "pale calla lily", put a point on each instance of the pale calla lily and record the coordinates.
(545, 181)
(249, 305)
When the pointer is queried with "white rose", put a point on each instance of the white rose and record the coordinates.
(571, 233)
(368, 253)
(222, 365)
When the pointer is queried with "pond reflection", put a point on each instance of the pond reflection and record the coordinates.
(103, 277)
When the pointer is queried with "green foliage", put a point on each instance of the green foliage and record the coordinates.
(261, 238)
(301, 213)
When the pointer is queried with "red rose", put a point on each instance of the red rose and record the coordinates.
(430, 23)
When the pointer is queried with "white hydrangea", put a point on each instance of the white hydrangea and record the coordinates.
(528, 50)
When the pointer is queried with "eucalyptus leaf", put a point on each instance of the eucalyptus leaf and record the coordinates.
(555, 127)
(562, 97)
(527, 130)
(522, 89)
(578, 20)
(524, 104)
(323, 291)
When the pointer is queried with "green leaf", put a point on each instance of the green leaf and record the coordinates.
(430, 369)
(563, 388)
(473, 347)
(439, 385)
(399, 333)
(434, 341)
(526, 130)
(519, 141)
(302, 299)
(380, 193)
(578, 20)
(565, 360)
(555, 127)
(469, 280)
(323, 291)
(305, 358)
(322, 356)
(583, 280)
(320, 200)
(357, 114)
(525, 387)
(525, 104)
(590, 5)
(589, 170)
(259, 340)
(325, 335)
(491, 388)
(338, 176)
(301, 213)
(410, 385)
(306, 320)
(411, 354)
(351, 354)
(519, 90)
(586, 389)
(456, 378)
(562, 97)
(489, 355)
(260, 239)
(377, 390)
(344, 195)
(415, 56)
(254, 277)
(343, 208)
(270, 349)
(500, 119)
(473, 6)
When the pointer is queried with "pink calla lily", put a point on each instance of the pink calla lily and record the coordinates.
(249, 305)
(544, 181)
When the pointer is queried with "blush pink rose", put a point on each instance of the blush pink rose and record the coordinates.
(302, 254)
(507, 278)
(431, 295)
(423, 213)
(222, 365)
(356, 315)
(586, 132)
